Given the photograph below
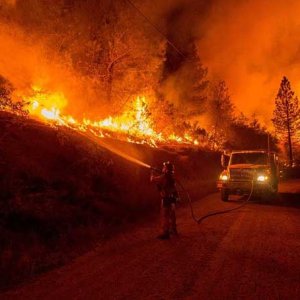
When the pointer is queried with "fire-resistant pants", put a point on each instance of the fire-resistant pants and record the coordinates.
(168, 218)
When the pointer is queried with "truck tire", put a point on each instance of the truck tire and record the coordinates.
(270, 195)
(224, 195)
(274, 192)
(274, 196)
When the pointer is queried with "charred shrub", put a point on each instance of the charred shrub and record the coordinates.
(6, 103)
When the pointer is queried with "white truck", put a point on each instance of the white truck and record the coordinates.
(247, 170)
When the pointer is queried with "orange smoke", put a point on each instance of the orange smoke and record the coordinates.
(251, 45)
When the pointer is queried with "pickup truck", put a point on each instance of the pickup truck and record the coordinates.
(247, 170)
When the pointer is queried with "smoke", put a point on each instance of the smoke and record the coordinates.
(182, 77)
(249, 44)
(252, 45)
(8, 2)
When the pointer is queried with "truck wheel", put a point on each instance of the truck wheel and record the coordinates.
(269, 195)
(224, 195)
(274, 196)
(274, 192)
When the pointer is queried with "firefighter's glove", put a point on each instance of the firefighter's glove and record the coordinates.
(177, 197)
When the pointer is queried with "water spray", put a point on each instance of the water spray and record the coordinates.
(145, 165)
(118, 152)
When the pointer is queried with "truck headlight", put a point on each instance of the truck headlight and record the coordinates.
(262, 178)
(224, 177)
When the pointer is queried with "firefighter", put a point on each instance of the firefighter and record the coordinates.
(168, 192)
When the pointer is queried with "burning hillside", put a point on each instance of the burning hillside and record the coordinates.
(104, 76)
(134, 125)
(61, 191)
(99, 67)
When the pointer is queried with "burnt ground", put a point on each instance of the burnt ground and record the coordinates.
(253, 253)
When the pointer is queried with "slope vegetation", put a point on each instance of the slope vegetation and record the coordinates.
(61, 192)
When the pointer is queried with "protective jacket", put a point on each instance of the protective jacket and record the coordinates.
(167, 187)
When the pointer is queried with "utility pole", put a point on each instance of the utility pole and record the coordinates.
(289, 134)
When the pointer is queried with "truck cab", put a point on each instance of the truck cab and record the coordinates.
(249, 171)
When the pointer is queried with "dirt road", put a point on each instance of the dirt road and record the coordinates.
(250, 254)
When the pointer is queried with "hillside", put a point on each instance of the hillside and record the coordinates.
(61, 193)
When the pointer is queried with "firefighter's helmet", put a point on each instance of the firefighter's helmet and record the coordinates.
(168, 168)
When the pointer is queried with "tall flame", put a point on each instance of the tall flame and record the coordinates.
(134, 125)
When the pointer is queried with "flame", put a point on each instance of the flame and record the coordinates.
(45, 105)
(52, 114)
(134, 125)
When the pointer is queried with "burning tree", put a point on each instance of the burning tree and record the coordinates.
(107, 43)
(221, 112)
(286, 114)
(104, 57)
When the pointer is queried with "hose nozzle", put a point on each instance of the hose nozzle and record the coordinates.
(155, 169)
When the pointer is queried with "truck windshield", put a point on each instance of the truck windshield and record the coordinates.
(249, 158)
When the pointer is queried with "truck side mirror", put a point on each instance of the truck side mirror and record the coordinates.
(224, 161)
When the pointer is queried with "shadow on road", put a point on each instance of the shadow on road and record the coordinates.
(284, 199)
(288, 196)
(287, 199)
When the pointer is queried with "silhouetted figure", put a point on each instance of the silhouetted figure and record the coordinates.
(167, 187)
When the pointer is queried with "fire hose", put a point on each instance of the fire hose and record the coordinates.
(198, 220)
(136, 161)
(213, 213)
